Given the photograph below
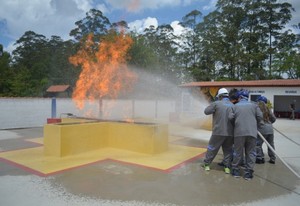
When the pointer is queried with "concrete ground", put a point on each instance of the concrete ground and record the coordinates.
(115, 183)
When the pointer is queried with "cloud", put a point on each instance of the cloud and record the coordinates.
(47, 17)
(178, 29)
(140, 25)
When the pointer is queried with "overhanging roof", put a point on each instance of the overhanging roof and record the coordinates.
(252, 83)
(58, 88)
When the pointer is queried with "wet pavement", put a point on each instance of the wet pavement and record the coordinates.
(117, 183)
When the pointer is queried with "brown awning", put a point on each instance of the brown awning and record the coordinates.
(58, 88)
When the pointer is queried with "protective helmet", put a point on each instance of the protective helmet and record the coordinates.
(262, 99)
(243, 93)
(222, 92)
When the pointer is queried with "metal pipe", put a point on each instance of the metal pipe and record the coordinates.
(271, 148)
(53, 107)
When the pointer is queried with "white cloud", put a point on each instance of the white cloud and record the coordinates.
(47, 17)
(178, 29)
(83, 5)
(140, 25)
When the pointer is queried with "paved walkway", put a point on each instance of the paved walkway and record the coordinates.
(116, 183)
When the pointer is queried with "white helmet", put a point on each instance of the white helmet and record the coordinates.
(222, 92)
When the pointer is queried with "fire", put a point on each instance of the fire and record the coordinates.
(129, 120)
(104, 69)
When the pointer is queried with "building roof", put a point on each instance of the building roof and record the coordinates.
(252, 83)
(58, 88)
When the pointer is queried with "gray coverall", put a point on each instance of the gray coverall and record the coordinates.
(222, 131)
(267, 131)
(247, 117)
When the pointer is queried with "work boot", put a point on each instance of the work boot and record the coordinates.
(260, 161)
(272, 161)
(206, 167)
(248, 175)
(236, 173)
(227, 170)
(221, 164)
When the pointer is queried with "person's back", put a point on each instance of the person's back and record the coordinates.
(266, 131)
(268, 119)
(220, 111)
(247, 115)
(222, 131)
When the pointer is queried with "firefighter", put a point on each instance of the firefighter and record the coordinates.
(246, 116)
(267, 131)
(222, 130)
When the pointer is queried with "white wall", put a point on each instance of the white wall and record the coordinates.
(33, 112)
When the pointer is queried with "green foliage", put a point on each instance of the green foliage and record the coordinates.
(94, 22)
(5, 72)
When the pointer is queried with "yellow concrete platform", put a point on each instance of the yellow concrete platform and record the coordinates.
(34, 160)
(71, 138)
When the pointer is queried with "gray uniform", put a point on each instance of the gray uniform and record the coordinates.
(222, 131)
(267, 131)
(247, 116)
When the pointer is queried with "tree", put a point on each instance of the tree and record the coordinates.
(163, 44)
(274, 17)
(245, 34)
(61, 71)
(210, 49)
(94, 22)
(287, 56)
(31, 58)
(230, 18)
(191, 37)
(141, 54)
(5, 72)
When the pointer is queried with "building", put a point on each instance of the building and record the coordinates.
(281, 93)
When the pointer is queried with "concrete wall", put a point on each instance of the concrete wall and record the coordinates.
(33, 112)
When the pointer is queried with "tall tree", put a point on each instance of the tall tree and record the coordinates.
(5, 72)
(142, 55)
(210, 47)
(31, 58)
(61, 71)
(274, 17)
(231, 16)
(191, 43)
(287, 56)
(94, 22)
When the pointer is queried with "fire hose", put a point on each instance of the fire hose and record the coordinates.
(271, 148)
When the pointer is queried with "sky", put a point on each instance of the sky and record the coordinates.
(58, 17)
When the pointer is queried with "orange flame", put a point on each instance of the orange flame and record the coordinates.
(104, 70)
